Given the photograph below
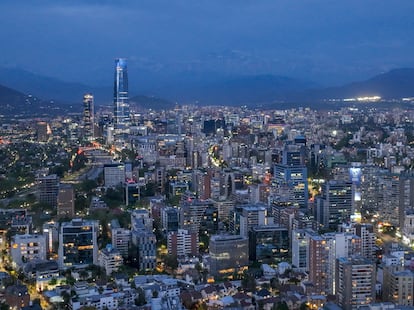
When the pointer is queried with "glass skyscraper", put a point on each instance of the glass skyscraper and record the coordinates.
(88, 117)
(121, 104)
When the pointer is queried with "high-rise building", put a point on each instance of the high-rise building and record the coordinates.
(121, 100)
(47, 189)
(169, 219)
(182, 243)
(295, 179)
(42, 131)
(250, 217)
(78, 246)
(88, 117)
(143, 239)
(318, 263)
(339, 245)
(398, 285)
(355, 282)
(335, 205)
(145, 243)
(192, 212)
(121, 237)
(300, 248)
(66, 201)
(366, 232)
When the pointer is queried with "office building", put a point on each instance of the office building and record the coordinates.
(169, 219)
(228, 254)
(47, 189)
(78, 245)
(114, 175)
(66, 201)
(144, 242)
(269, 244)
(192, 212)
(335, 205)
(251, 216)
(121, 99)
(88, 117)
(224, 207)
(295, 180)
(355, 282)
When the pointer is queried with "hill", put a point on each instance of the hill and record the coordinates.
(397, 83)
(15, 103)
(48, 87)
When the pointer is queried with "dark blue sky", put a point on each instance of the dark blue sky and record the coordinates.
(322, 40)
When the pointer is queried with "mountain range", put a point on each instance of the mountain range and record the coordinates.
(21, 90)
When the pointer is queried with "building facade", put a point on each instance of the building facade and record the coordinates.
(25, 248)
(355, 282)
(121, 99)
(228, 254)
(78, 245)
(66, 201)
(88, 117)
(182, 243)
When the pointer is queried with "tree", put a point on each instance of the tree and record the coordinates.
(83, 274)
(281, 306)
(248, 281)
(140, 300)
(171, 261)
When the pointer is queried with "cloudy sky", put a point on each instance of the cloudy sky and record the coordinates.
(327, 41)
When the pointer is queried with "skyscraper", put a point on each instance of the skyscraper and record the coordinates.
(121, 104)
(355, 282)
(335, 205)
(88, 117)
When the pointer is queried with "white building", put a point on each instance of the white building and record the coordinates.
(25, 248)
(121, 239)
(250, 217)
(300, 248)
(110, 258)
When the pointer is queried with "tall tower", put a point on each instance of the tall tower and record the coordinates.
(121, 105)
(88, 117)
